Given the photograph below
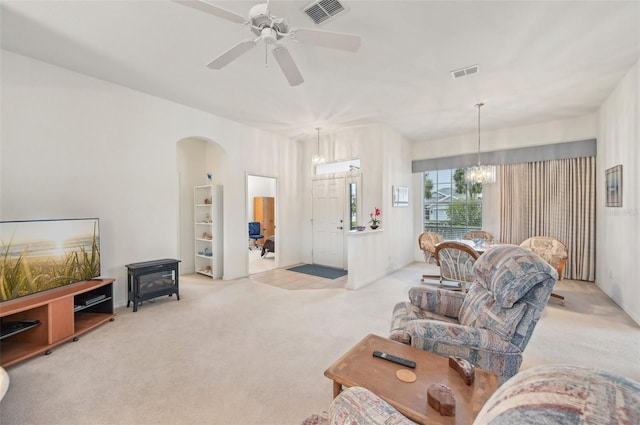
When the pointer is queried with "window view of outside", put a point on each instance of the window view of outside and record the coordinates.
(451, 206)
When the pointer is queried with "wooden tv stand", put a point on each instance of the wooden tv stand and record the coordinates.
(64, 314)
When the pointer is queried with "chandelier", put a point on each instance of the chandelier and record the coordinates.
(318, 159)
(480, 174)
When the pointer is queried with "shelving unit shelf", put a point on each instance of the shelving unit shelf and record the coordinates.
(63, 313)
(207, 214)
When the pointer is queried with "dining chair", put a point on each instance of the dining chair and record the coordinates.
(456, 261)
(479, 234)
(427, 243)
(553, 251)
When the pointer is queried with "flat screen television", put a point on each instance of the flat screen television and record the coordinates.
(38, 255)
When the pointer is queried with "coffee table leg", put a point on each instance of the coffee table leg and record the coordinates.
(337, 389)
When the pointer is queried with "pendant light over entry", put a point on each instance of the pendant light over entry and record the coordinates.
(318, 159)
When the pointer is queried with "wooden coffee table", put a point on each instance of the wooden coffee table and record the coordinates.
(359, 368)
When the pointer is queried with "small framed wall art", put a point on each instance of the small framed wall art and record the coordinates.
(613, 177)
(400, 196)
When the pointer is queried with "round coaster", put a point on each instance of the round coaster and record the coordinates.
(405, 375)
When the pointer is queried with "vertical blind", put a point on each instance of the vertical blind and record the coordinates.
(552, 198)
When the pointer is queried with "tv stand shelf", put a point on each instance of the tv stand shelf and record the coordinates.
(64, 314)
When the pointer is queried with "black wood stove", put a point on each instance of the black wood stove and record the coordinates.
(151, 279)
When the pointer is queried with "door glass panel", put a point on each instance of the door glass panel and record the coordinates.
(353, 206)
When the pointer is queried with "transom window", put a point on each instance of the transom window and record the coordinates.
(451, 206)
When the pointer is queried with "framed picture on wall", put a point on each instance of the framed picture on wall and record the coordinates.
(400, 196)
(613, 177)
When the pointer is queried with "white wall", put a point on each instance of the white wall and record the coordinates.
(75, 146)
(569, 130)
(618, 229)
(399, 234)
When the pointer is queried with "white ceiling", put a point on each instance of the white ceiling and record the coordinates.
(539, 60)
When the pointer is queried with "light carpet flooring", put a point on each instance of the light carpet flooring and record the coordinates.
(247, 352)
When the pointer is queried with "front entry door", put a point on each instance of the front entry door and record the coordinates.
(328, 222)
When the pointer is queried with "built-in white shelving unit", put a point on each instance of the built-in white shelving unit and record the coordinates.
(207, 212)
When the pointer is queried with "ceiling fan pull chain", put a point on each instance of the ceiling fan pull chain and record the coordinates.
(266, 56)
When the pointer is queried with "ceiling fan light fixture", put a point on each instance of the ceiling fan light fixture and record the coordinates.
(268, 35)
(480, 174)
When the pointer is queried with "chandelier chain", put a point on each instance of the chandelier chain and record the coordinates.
(480, 174)
(479, 105)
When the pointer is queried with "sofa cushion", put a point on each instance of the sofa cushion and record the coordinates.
(563, 394)
(481, 310)
(359, 406)
(508, 272)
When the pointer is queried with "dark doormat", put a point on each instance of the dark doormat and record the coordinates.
(320, 271)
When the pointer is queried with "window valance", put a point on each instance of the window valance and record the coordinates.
(578, 149)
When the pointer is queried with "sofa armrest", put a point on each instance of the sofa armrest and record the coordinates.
(359, 406)
(439, 301)
(455, 334)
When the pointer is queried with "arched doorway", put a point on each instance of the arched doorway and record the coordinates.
(196, 158)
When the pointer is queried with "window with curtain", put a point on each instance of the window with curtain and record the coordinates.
(451, 206)
(552, 198)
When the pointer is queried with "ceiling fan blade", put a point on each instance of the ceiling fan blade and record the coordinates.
(203, 6)
(232, 54)
(287, 65)
(331, 40)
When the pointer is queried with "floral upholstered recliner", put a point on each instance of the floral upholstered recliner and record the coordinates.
(489, 326)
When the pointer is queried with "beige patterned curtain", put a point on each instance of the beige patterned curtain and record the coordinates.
(552, 198)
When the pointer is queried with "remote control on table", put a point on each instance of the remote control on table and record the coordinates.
(395, 359)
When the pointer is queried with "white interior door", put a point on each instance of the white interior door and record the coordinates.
(328, 222)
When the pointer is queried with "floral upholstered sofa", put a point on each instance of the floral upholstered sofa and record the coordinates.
(547, 394)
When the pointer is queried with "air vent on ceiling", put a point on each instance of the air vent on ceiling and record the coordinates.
(462, 72)
(321, 10)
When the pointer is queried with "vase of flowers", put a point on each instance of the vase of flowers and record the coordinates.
(375, 220)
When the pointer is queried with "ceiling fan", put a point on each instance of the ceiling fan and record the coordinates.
(270, 30)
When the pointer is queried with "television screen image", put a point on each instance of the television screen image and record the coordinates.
(44, 254)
